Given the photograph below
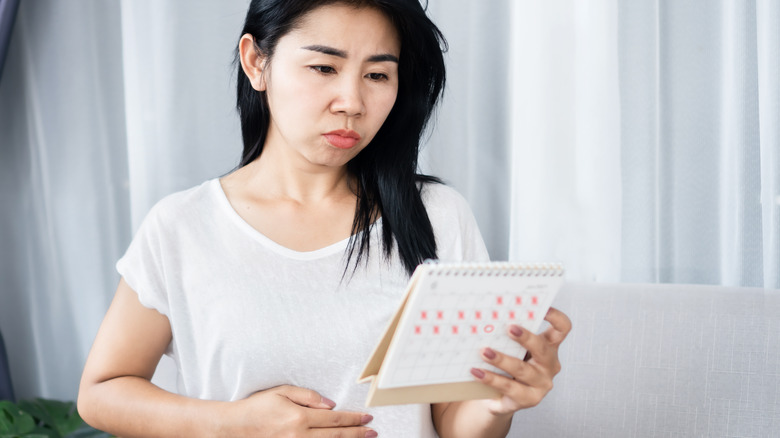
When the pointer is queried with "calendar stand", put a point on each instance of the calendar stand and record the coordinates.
(448, 313)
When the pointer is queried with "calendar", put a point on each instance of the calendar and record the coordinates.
(448, 314)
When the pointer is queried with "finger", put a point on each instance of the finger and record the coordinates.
(534, 344)
(542, 352)
(344, 432)
(560, 326)
(520, 370)
(318, 418)
(305, 397)
(522, 395)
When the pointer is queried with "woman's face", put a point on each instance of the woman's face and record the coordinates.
(331, 83)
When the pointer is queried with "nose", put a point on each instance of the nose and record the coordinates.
(348, 99)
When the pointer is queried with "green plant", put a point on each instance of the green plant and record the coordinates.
(42, 418)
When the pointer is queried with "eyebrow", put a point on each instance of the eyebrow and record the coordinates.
(342, 54)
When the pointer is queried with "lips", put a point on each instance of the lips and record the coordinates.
(342, 138)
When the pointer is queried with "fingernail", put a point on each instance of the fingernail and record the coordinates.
(488, 353)
(329, 402)
(371, 434)
(365, 419)
(478, 373)
(515, 330)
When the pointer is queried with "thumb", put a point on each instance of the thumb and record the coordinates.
(305, 397)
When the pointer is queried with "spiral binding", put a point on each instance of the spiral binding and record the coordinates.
(495, 269)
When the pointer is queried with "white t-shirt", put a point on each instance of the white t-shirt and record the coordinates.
(248, 314)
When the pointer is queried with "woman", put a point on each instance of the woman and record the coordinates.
(270, 286)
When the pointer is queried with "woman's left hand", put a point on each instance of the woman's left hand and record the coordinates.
(530, 379)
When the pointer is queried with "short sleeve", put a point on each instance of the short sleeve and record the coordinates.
(473, 247)
(142, 265)
(457, 235)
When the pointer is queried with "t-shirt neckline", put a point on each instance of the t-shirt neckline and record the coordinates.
(252, 232)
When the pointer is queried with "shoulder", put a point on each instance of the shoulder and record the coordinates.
(442, 201)
(456, 231)
(183, 205)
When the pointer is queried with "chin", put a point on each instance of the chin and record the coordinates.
(335, 157)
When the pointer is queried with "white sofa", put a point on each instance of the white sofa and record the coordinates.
(664, 361)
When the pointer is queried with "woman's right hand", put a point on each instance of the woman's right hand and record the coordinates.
(290, 411)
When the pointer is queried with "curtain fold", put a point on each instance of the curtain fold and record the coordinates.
(566, 186)
(6, 386)
(469, 146)
(8, 10)
(179, 89)
(741, 261)
(768, 59)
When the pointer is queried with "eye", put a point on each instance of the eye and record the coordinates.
(377, 76)
(324, 69)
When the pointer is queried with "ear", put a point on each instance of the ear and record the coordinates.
(252, 62)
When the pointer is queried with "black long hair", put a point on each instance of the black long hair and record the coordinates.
(386, 169)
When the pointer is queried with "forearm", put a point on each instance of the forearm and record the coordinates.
(131, 406)
(469, 419)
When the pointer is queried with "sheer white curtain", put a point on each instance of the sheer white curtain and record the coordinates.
(63, 165)
(182, 127)
(699, 95)
(105, 107)
(469, 146)
(565, 141)
(645, 140)
(634, 142)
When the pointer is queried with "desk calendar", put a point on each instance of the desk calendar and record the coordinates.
(448, 313)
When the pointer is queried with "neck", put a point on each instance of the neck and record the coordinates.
(281, 174)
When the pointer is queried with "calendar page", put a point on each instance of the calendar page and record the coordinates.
(455, 310)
